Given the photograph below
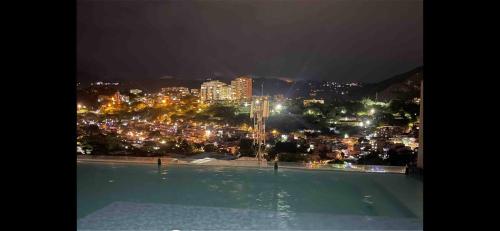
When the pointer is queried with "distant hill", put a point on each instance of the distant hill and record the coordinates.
(271, 86)
(402, 86)
(154, 85)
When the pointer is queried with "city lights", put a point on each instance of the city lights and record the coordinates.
(284, 137)
(278, 107)
(138, 131)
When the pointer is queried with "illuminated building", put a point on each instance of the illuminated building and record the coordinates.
(241, 89)
(389, 131)
(195, 92)
(100, 83)
(351, 121)
(175, 91)
(214, 91)
(135, 91)
(308, 102)
(116, 98)
(125, 98)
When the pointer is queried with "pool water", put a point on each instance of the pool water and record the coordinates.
(178, 197)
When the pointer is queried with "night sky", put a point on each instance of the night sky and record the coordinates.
(352, 40)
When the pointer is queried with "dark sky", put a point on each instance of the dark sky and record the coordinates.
(351, 40)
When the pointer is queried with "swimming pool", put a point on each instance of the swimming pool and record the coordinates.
(115, 196)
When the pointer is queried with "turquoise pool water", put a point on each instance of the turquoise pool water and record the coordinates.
(177, 197)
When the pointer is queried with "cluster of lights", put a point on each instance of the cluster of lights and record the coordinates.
(278, 107)
(284, 137)
(364, 124)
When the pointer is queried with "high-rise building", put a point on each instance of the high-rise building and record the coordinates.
(241, 88)
(214, 91)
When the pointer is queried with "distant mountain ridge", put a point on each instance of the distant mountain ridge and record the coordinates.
(402, 86)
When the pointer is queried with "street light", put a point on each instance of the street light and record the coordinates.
(278, 107)
(372, 111)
